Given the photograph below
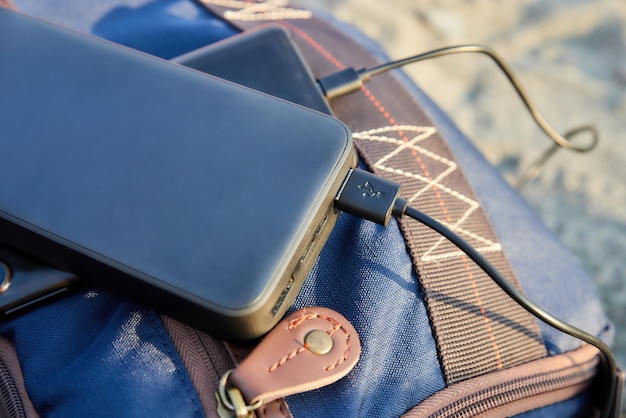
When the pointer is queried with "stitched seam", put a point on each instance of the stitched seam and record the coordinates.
(492, 336)
(288, 357)
(372, 99)
(424, 132)
(442, 205)
(294, 323)
(319, 48)
(346, 353)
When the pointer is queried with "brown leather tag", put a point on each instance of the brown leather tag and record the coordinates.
(311, 348)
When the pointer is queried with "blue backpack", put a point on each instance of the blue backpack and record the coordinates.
(426, 350)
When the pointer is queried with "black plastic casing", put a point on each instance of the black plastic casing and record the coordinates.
(194, 195)
(368, 196)
(265, 59)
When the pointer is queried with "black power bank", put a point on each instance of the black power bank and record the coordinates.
(197, 196)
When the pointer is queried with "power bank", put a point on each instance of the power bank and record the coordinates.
(204, 199)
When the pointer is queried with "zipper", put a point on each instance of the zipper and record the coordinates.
(508, 392)
(11, 404)
(526, 388)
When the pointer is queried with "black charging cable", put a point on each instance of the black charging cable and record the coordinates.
(351, 80)
(376, 199)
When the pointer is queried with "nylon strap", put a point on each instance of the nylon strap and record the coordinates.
(477, 328)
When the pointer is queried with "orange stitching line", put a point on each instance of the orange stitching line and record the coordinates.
(446, 213)
(346, 353)
(336, 327)
(294, 323)
(319, 48)
(392, 121)
(492, 336)
(288, 357)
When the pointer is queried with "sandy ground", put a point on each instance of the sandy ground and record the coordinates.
(571, 57)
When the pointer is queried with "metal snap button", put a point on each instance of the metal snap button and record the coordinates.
(318, 342)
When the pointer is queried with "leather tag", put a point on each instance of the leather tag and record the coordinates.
(310, 348)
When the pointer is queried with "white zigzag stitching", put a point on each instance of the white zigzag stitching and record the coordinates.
(267, 10)
(424, 132)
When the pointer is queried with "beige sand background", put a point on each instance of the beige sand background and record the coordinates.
(571, 57)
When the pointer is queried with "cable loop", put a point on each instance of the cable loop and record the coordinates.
(562, 141)
(534, 170)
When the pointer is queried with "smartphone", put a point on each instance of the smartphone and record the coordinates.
(266, 59)
(199, 197)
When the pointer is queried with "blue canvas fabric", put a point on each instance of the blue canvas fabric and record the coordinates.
(94, 353)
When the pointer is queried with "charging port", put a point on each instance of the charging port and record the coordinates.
(283, 296)
(310, 253)
(316, 234)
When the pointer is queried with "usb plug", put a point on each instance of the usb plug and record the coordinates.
(370, 197)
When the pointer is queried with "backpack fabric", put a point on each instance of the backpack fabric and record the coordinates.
(94, 353)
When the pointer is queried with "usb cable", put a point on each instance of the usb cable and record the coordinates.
(350, 80)
(375, 199)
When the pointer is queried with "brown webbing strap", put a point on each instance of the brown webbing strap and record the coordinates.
(14, 398)
(477, 327)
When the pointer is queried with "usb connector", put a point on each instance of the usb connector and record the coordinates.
(370, 197)
(343, 82)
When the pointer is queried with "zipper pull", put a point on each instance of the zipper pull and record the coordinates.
(309, 349)
(222, 411)
(231, 403)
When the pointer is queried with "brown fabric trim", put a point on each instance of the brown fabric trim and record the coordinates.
(206, 360)
(8, 358)
(522, 388)
(477, 328)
